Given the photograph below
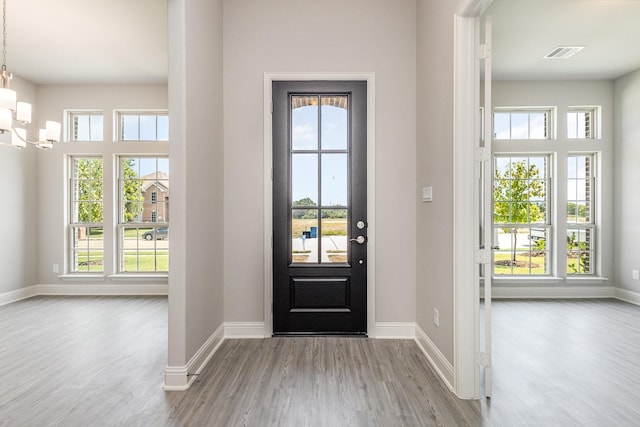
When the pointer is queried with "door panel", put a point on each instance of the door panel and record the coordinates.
(319, 195)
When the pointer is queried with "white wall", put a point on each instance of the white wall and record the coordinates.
(328, 36)
(18, 207)
(563, 94)
(196, 158)
(627, 180)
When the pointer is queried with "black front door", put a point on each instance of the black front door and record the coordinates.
(319, 207)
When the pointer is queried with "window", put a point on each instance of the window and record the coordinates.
(148, 126)
(581, 123)
(521, 214)
(143, 232)
(522, 123)
(85, 126)
(86, 219)
(580, 214)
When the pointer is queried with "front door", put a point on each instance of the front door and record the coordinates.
(319, 208)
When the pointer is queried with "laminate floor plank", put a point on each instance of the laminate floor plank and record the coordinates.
(99, 361)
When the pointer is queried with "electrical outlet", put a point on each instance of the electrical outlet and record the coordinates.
(436, 317)
(635, 274)
(56, 268)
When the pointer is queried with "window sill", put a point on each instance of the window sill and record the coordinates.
(83, 277)
(588, 280)
(527, 280)
(161, 278)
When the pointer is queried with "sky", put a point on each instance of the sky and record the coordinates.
(306, 159)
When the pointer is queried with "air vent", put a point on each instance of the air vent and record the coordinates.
(563, 52)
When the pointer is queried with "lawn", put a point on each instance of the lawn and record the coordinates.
(330, 227)
(133, 261)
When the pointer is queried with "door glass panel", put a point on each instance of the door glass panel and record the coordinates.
(334, 122)
(304, 235)
(304, 179)
(334, 236)
(304, 122)
(334, 179)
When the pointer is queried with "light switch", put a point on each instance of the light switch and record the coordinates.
(427, 194)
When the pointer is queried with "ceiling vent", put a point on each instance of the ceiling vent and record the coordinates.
(563, 52)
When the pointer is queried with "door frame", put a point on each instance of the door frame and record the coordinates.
(269, 78)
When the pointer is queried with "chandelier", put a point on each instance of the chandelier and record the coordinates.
(15, 114)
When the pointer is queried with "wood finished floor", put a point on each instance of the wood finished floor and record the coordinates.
(99, 361)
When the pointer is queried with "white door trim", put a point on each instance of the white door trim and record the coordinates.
(269, 78)
(466, 286)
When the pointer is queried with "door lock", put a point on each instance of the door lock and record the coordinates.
(360, 240)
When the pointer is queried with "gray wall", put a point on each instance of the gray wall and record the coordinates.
(328, 36)
(19, 206)
(627, 180)
(434, 167)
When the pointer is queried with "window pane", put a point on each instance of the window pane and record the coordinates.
(522, 251)
(519, 125)
(304, 179)
(129, 127)
(502, 125)
(304, 235)
(334, 123)
(97, 130)
(304, 122)
(538, 125)
(334, 236)
(334, 179)
(580, 251)
(148, 128)
(144, 249)
(87, 249)
(163, 128)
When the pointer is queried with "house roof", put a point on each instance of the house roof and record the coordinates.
(157, 179)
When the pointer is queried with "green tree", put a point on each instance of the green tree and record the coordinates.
(516, 189)
(89, 190)
(131, 192)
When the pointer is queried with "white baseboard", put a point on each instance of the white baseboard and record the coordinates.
(244, 330)
(17, 295)
(435, 357)
(179, 378)
(103, 289)
(395, 330)
(627, 295)
(533, 292)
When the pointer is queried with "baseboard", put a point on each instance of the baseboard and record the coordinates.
(179, 378)
(18, 294)
(627, 296)
(244, 330)
(103, 289)
(435, 357)
(503, 292)
(395, 330)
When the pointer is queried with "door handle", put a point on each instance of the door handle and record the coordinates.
(359, 240)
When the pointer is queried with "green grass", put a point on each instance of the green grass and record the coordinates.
(148, 261)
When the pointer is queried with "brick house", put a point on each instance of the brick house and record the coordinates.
(155, 191)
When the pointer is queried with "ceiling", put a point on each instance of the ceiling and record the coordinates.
(125, 41)
(524, 31)
(87, 41)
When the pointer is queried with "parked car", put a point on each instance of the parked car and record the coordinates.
(160, 233)
(538, 234)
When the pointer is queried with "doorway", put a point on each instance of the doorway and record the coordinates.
(319, 207)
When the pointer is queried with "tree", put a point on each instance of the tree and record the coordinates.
(516, 189)
(89, 190)
(131, 192)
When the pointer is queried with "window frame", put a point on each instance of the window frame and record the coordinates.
(74, 223)
(70, 115)
(550, 115)
(119, 116)
(547, 225)
(595, 122)
(139, 225)
(591, 226)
